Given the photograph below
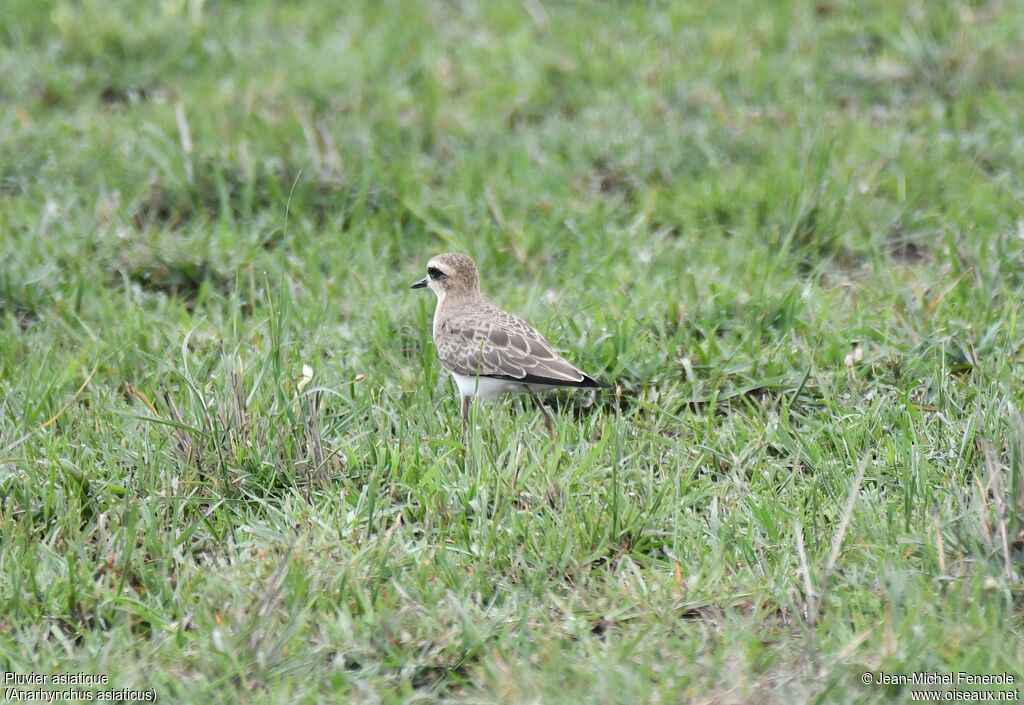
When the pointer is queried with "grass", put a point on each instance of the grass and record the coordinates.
(705, 203)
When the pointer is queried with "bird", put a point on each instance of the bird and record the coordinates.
(487, 350)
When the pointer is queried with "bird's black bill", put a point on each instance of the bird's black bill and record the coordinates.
(420, 284)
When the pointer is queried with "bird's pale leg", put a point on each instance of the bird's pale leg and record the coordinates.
(465, 422)
(549, 420)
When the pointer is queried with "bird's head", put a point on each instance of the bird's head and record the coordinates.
(451, 275)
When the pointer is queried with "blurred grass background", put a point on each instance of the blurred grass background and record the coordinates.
(707, 203)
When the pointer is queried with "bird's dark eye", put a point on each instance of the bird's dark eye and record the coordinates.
(434, 272)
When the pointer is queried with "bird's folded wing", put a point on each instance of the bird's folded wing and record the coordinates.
(502, 345)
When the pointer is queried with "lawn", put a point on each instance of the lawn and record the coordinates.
(791, 233)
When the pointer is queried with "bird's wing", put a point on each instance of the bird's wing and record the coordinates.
(495, 343)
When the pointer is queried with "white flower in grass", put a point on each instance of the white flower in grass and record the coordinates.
(306, 377)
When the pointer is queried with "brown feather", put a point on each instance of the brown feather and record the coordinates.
(500, 345)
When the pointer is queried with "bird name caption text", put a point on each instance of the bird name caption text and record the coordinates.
(69, 688)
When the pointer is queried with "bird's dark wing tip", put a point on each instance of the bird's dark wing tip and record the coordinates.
(587, 382)
(592, 383)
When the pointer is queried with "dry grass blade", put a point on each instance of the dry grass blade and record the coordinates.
(138, 394)
(940, 545)
(185, 447)
(268, 600)
(805, 571)
(53, 419)
(315, 460)
(996, 492)
(814, 605)
(240, 421)
(1017, 455)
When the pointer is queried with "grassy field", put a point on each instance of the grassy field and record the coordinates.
(706, 203)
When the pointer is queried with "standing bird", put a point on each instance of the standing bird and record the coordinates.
(487, 350)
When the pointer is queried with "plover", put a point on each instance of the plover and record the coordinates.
(489, 351)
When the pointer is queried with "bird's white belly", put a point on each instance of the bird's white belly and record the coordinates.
(484, 387)
(487, 387)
